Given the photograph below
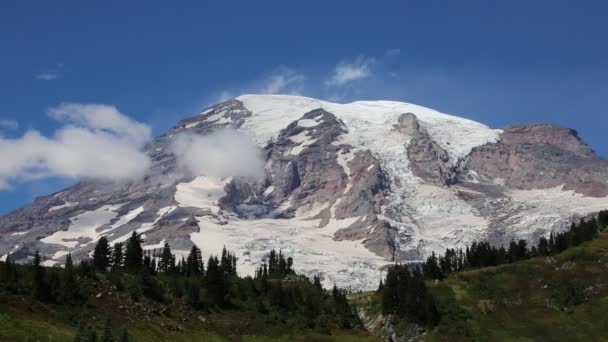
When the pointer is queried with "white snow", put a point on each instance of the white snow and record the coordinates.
(307, 123)
(66, 205)
(83, 226)
(550, 209)
(126, 218)
(161, 244)
(300, 137)
(146, 226)
(302, 140)
(346, 263)
(269, 190)
(202, 192)
(193, 124)
(18, 233)
(366, 121)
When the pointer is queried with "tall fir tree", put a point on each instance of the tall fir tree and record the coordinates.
(102, 254)
(117, 257)
(134, 253)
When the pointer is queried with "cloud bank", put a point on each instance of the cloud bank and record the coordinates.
(223, 153)
(96, 142)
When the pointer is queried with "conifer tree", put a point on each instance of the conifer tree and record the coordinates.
(40, 286)
(134, 253)
(167, 260)
(194, 263)
(117, 257)
(101, 254)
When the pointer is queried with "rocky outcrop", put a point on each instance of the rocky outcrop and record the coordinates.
(428, 160)
(539, 156)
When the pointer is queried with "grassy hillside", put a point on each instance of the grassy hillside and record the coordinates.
(24, 319)
(558, 298)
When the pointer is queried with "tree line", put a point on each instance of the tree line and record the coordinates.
(159, 275)
(483, 254)
(404, 292)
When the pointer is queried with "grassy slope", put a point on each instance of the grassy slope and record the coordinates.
(560, 298)
(22, 319)
(563, 298)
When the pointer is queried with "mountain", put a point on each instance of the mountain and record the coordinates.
(346, 189)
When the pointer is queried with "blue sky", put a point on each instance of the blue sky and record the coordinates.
(157, 62)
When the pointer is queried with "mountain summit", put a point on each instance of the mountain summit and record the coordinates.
(344, 188)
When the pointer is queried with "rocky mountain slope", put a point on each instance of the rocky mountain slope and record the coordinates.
(348, 189)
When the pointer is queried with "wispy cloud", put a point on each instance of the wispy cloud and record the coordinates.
(8, 124)
(50, 74)
(283, 81)
(349, 71)
(47, 76)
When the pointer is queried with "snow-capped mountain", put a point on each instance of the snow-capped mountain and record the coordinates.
(348, 189)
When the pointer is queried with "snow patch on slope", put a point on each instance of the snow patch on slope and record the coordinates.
(83, 226)
(346, 263)
(202, 192)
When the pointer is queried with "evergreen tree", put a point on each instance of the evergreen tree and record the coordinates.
(194, 263)
(41, 290)
(134, 253)
(117, 257)
(167, 260)
(216, 282)
(101, 254)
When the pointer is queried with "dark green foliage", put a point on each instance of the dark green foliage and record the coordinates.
(134, 253)
(125, 336)
(405, 294)
(117, 257)
(602, 219)
(41, 287)
(194, 263)
(107, 332)
(167, 260)
(101, 254)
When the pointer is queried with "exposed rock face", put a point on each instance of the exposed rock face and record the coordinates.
(428, 160)
(348, 189)
(539, 156)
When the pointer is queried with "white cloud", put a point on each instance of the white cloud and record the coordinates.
(223, 153)
(102, 118)
(97, 141)
(8, 124)
(348, 71)
(47, 76)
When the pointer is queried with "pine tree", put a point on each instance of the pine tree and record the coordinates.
(167, 260)
(101, 254)
(40, 286)
(117, 257)
(194, 263)
(134, 253)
